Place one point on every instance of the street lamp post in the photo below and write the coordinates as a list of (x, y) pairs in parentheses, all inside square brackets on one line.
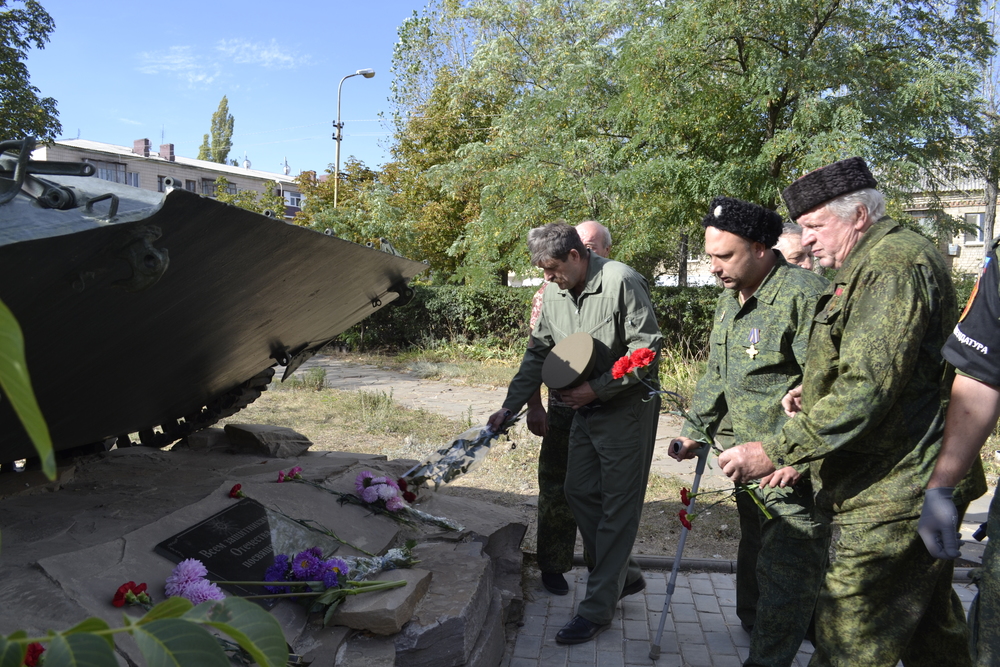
[(339, 134)]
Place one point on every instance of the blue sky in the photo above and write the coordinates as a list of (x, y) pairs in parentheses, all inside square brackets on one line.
[(122, 71)]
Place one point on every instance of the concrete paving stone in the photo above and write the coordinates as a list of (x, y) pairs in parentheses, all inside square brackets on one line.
[(702, 586), (634, 609), (637, 653), (722, 581), (713, 623), (742, 653), (719, 643), (727, 598), (638, 630), (656, 584), (611, 658), (739, 636), (802, 659), (706, 604), (654, 623), (536, 607), (665, 660), (696, 655), (585, 653), (729, 613), (553, 655), (561, 601), (532, 625), (523, 662), (682, 594), (690, 633), (611, 639), (683, 613), (668, 643), (527, 646)]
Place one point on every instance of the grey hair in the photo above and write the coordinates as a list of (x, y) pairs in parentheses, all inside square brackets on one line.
[(605, 232), (845, 206), (791, 228), (554, 241)]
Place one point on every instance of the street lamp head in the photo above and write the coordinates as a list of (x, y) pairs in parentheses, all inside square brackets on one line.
[(367, 73)]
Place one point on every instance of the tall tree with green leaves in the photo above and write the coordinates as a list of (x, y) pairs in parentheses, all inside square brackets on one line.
[(251, 200), (217, 149), (23, 112)]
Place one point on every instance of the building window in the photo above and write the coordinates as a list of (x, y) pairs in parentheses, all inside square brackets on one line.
[(160, 185), (293, 199), (975, 219), (108, 171), (231, 189), (191, 186), (132, 178), (208, 187)]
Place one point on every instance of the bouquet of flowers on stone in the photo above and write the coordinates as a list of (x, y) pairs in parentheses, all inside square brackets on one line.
[(465, 453), (643, 357)]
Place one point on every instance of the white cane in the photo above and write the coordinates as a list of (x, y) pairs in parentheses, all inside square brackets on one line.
[(702, 452)]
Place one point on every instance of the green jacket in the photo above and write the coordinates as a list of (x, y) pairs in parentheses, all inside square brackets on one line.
[(751, 387), (615, 308), (875, 388)]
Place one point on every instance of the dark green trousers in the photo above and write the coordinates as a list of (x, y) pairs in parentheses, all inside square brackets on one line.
[(556, 525), (885, 599), (984, 615), (610, 451)]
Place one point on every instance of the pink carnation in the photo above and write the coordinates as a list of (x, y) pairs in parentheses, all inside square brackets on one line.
[(394, 504)]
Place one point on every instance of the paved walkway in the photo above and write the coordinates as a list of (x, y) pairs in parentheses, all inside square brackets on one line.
[(702, 629)]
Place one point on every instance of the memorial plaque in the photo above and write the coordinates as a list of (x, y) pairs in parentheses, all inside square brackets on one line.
[(234, 545)]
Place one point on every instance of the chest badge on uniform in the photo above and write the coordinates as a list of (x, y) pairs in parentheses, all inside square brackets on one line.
[(752, 351)]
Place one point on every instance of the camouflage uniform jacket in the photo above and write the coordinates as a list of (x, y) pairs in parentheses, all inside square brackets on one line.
[(615, 308), (749, 380), (875, 386)]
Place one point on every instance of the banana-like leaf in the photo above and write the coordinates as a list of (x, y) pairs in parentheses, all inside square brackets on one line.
[(16, 385), (12, 652), (93, 625), (255, 630), (79, 650), (172, 642)]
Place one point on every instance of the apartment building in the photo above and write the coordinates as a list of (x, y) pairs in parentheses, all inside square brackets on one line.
[(140, 167)]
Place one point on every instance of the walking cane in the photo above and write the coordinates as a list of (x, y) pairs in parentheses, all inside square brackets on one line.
[(702, 452)]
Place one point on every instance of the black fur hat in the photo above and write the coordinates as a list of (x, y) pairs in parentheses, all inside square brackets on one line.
[(752, 222), (820, 186)]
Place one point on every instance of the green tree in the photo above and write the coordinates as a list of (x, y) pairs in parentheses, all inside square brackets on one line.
[(217, 149), (22, 111), (251, 200)]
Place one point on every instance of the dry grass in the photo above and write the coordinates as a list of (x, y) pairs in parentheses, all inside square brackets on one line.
[(372, 423)]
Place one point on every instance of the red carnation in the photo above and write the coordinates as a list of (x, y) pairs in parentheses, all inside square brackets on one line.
[(685, 498), (409, 496), (642, 357), (685, 521), (121, 595), (237, 491), (621, 367), (401, 483), (35, 651)]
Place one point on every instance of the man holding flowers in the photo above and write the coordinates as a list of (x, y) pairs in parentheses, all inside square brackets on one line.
[(756, 352), (614, 428), (870, 417)]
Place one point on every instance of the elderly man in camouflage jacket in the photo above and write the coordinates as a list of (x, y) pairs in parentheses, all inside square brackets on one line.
[(757, 350), (614, 428), (872, 413)]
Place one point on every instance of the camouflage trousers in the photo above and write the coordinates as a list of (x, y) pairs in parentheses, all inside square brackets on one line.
[(556, 525), (984, 616), (780, 568), (885, 599)]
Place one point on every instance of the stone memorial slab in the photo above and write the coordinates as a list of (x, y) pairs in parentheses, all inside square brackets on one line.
[(264, 440)]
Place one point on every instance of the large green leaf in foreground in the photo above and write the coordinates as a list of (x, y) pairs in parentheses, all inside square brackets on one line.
[(16, 387), (249, 625)]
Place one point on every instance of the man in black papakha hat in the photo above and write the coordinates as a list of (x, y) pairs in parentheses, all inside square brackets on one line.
[(869, 418), (757, 351), (614, 429)]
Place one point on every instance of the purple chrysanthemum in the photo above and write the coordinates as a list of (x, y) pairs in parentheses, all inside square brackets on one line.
[(305, 566), (186, 572), (362, 481), (369, 494), (201, 590)]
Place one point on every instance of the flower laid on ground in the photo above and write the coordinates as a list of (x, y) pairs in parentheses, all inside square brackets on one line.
[(33, 657), (293, 474), (132, 593), (408, 496), (237, 491), (188, 581), (631, 362), (685, 499), (685, 518), (308, 568), (382, 490)]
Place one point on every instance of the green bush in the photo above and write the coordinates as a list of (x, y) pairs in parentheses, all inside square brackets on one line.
[(498, 316)]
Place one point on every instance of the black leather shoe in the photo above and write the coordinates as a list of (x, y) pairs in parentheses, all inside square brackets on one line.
[(578, 631), (555, 583), (636, 586)]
